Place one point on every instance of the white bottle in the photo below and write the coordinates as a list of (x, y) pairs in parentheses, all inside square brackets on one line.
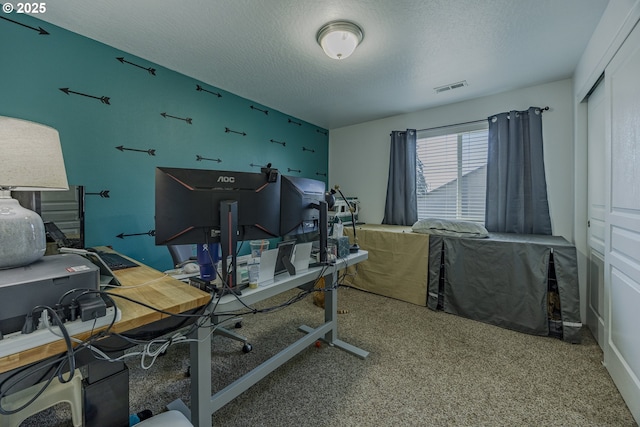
[(253, 265)]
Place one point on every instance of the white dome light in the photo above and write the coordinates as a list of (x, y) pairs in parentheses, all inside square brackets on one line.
[(339, 38)]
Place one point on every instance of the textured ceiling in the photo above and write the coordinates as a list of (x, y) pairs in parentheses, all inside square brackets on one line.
[(266, 50)]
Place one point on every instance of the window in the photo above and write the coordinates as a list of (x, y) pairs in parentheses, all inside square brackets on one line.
[(452, 172)]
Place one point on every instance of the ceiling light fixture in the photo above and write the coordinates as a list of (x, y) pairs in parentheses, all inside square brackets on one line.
[(339, 38)]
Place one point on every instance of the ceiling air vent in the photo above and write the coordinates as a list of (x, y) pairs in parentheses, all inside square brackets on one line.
[(450, 86)]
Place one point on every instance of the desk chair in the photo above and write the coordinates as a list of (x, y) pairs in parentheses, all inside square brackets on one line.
[(183, 254)]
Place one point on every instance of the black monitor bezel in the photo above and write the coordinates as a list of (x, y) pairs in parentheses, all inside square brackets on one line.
[(187, 204), (300, 197)]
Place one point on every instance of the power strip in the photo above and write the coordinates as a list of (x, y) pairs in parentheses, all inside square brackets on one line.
[(17, 341)]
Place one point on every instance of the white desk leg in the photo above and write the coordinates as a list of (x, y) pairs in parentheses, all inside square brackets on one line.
[(200, 359), (331, 307), (331, 317)]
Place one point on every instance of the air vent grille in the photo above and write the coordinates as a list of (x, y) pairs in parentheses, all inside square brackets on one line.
[(450, 86)]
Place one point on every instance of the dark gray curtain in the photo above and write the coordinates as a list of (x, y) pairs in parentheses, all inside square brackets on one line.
[(401, 207), (516, 184)]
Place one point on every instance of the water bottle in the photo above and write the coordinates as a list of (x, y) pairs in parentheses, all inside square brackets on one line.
[(207, 259)]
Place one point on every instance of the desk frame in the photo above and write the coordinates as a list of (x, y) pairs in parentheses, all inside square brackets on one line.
[(203, 403)]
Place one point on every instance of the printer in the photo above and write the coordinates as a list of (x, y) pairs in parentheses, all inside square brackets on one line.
[(42, 283)]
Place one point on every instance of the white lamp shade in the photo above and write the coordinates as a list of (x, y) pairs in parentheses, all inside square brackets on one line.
[(339, 39), (30, 157)]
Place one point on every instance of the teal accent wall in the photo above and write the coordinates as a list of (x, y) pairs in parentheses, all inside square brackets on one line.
[(33, 69)]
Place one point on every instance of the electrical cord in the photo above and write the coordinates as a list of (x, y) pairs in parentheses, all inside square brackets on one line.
[(69, 358), (148, 282), (168, 313), (298, 297), (89, 343)]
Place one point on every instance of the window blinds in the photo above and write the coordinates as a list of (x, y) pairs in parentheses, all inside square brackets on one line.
[(451, 172)]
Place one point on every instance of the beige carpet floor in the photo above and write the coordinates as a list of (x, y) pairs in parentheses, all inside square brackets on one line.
[(425, 368)]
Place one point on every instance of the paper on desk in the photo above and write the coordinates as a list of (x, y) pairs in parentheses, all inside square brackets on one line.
[(301, 256), (267, 266)]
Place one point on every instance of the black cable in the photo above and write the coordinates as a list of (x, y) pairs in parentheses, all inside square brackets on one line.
[(158, 310), (70, 353), (294, 299), (67, 359), (70, 359)]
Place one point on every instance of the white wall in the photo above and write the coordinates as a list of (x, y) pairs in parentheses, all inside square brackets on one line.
[(359, 154)]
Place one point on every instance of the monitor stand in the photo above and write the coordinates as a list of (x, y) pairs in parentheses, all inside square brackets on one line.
[(210, 286), (323, 209), (229, 244)]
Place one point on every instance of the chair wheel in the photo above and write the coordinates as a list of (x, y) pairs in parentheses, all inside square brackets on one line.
[(246, 348), (238, 325)]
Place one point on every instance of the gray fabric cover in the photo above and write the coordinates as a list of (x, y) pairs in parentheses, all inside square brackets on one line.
[(444, 227), (503, 281)]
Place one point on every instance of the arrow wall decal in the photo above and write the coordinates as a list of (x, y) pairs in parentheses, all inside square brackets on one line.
[(40, 30), (148, 233), (321, 174), (151, 71), (266, 112), (294, 123), (103, 99), (227, 130), (308, 149), (199, 158), (186, 119), (283, 143), (150, 152), (201, 89), (321, 131), (104, 194), (256, 166), (294, 170)]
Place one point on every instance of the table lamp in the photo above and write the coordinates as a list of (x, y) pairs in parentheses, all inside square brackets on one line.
[(30, 160)]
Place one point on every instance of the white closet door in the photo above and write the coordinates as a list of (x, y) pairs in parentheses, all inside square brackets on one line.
[(596, 212), (622, 222)]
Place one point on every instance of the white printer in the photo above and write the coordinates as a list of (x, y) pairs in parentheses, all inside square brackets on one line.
[(42, 283)]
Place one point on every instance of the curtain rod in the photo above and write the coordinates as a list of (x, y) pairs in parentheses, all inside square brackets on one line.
[(542, 109), (455, 124)]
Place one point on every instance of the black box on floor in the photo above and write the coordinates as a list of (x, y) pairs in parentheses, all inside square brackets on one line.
[(106, 402)]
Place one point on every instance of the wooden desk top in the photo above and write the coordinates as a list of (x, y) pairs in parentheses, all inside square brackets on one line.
[(147, 285)]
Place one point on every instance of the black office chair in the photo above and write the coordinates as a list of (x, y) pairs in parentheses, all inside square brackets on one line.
[(184, 254)]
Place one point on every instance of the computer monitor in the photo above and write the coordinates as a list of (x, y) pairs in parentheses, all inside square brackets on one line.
[(303, 211), (205, 206), (300, 198), (187, 204)]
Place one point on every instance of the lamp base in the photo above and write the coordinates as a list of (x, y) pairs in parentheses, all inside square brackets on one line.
[(354, 248), (22, 235)]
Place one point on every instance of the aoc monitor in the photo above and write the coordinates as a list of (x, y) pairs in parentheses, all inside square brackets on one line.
[(188, 201)]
